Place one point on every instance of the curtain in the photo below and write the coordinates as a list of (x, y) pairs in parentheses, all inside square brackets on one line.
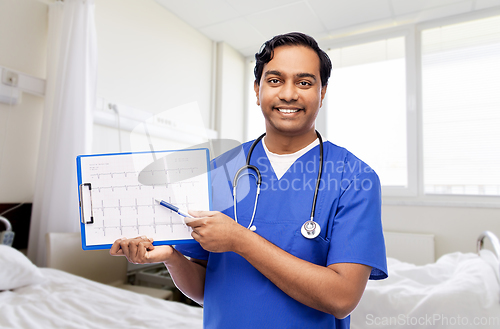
[(67, 120)]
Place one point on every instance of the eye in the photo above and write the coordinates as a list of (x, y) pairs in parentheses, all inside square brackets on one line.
[(273, 81), (304, 84)]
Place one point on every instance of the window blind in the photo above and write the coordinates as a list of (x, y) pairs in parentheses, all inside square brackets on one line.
[(461, 108)]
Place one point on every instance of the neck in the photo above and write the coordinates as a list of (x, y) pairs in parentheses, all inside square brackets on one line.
[(280, 144)]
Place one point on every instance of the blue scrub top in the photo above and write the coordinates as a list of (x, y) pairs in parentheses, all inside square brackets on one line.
[(348, 210)]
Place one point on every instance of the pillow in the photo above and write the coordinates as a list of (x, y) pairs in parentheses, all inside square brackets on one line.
[(16, 270)]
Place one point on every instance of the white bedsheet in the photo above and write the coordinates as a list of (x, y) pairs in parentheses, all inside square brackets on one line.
[(458, 291), (68, 301)]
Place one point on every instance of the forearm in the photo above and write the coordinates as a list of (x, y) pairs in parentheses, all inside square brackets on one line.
[(335, 289), (318, 287), (188, 276)]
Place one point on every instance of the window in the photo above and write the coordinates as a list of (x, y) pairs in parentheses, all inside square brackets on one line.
[(421, 106), (366, 107), (461, 108)]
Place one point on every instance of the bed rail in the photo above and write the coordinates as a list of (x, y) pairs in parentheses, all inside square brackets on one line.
[(7, 236), (494, 241)]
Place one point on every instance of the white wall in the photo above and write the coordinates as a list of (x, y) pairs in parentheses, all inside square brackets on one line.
[(455, 228), (149, 60), (23, 30)]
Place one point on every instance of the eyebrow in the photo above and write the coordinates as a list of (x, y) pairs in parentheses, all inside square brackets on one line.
[(272, 72), (298, 75), (306, 75)]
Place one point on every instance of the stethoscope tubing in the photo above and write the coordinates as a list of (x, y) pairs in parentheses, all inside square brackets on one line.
[(259, 179), (320, 172)]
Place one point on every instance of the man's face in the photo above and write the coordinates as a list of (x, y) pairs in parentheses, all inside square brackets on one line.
[(290, 92)]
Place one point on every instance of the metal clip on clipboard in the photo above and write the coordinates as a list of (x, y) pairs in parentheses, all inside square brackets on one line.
[(86, 210)]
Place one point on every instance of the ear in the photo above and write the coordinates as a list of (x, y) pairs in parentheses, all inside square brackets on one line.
[(323, 93), (256, 87)]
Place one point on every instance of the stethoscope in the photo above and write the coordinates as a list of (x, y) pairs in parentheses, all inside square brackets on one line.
[(310, 229)]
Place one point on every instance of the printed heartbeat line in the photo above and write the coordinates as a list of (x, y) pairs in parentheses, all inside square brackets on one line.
[(137, 226), (112, 174), (136, 173), (141, 186), (136, 206)]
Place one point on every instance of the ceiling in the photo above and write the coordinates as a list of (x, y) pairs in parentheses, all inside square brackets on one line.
[(246, 24)]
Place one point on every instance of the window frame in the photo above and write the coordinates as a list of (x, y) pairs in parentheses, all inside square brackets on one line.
[(423, 198), (408, 32)]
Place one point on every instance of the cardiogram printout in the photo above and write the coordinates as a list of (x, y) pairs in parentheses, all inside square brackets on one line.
[(117, 195)]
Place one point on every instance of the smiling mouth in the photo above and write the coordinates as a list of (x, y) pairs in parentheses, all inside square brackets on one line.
[(287, 110)]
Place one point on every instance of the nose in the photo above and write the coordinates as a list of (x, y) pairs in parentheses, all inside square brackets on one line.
[(288, 92)]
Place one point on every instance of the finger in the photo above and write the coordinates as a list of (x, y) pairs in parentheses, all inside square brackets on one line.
[(151, 245), (124, 247), (193, 222), (196, 213), (195, 235), (133, 250), (148, 242), (142, 253), (188, 220), (134, 246), (115, 249)]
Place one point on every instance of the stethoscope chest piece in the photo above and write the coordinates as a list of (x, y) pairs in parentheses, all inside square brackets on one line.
[(310, 229)]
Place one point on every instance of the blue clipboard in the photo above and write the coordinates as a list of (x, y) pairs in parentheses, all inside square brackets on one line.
[(117, 195)]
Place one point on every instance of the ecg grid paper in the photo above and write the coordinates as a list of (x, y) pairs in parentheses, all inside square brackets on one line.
[(124, 188)]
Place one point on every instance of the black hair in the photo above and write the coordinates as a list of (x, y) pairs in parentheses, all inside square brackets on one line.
[(266, 53)]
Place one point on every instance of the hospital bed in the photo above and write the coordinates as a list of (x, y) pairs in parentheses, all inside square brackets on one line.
[(33, 297), (459, 290)]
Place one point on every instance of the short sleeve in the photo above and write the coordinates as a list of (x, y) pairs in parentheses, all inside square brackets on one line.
[(357, 235), (193, 250)]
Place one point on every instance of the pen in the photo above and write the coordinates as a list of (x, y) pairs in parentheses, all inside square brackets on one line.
[(173, 208)]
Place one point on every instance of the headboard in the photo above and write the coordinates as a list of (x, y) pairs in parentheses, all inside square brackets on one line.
[(64, 252), (412, 248)]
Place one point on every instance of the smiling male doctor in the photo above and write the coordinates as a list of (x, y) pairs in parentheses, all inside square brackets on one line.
[(273, 276)]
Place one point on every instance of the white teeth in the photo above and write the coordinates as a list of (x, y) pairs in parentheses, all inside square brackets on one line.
[(287, 111)]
